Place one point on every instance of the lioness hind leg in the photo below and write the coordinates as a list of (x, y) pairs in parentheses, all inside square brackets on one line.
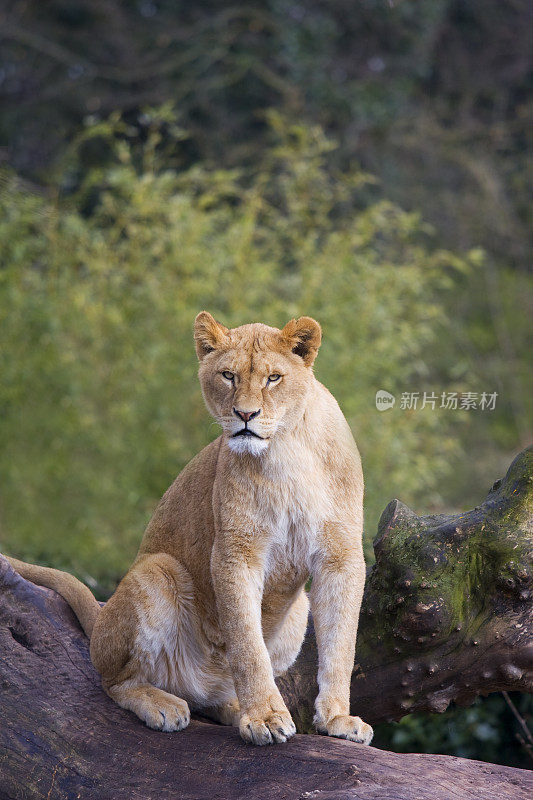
[(285, 646), (158, 709), (228, 713), (140, 646)]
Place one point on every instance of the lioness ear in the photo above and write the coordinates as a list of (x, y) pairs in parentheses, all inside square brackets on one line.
[(208, 334), (303, 336)]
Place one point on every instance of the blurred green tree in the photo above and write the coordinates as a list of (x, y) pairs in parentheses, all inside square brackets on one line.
[(100, 402)]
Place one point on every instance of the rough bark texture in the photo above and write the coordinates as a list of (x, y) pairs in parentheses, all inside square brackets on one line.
[(447, 616), (447, 612), (62, 738)]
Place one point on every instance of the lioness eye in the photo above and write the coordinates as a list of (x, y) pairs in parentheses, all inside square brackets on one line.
[(274, 378), (228, 375)]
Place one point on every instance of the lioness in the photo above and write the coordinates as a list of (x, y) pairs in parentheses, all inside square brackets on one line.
[(214, 606)]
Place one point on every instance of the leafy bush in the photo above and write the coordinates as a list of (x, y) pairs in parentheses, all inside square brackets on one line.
[(100, 402)]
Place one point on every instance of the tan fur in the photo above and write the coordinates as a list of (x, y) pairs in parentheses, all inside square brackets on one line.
[(214, 606), (78, 596)]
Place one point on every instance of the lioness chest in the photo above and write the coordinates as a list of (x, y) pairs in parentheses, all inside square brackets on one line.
[(291, 506)]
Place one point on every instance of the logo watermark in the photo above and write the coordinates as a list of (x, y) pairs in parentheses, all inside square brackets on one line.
[(384, 400), (450, 401)]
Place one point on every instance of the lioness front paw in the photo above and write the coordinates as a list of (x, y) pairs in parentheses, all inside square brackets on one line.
[(352, 728), (276, 726)]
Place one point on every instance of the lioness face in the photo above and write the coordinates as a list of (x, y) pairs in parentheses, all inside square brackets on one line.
[(254, 378)]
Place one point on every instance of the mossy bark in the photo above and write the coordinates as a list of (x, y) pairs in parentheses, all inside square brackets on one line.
[(447, 612)]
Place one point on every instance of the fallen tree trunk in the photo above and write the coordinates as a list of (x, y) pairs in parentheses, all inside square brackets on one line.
[(447, 612), (447, 615), (62, 738)]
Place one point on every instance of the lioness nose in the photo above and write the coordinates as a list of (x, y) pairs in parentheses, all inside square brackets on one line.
[(246, 416)]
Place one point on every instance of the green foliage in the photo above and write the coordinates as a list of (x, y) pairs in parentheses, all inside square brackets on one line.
[(100, 402), (487, 731)]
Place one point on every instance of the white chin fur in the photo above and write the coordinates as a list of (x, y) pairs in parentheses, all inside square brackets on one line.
[(247, 444)]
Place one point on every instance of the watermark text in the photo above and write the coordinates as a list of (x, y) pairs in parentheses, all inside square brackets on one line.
[(450, 401)]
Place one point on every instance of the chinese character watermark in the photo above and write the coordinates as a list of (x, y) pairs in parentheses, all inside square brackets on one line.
[(409, 400), (449, 401)]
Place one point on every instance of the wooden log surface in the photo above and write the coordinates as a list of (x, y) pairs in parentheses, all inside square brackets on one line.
[(62, 738)]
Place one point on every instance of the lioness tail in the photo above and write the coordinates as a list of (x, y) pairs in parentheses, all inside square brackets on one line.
[(78, 596)]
